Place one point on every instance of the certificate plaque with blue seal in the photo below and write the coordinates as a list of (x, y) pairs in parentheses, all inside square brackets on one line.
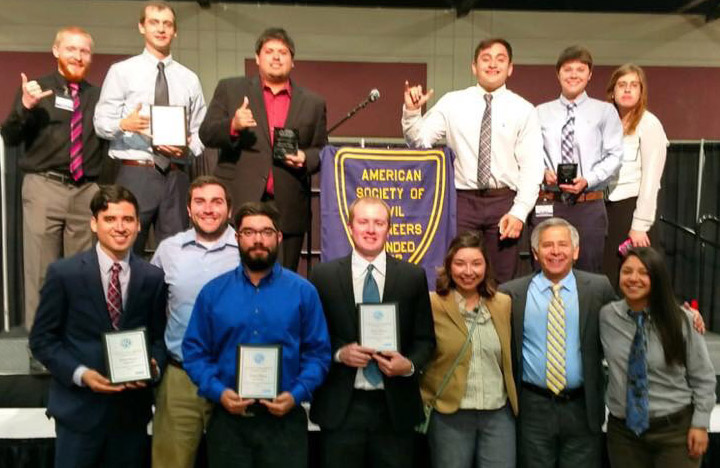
[(379, 326), (258, 370), (126, 356)]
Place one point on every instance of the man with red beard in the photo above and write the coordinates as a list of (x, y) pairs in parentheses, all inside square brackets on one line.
[(52, 117)]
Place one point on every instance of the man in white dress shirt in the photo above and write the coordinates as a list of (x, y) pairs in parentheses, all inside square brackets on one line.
[(497, 141)]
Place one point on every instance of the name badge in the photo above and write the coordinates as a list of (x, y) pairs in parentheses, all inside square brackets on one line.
[(544, 210), (64, 103)]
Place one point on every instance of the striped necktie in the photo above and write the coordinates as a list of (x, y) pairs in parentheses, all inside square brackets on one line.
[(76, 131), (555, 378), (485, 151), (568, 135)]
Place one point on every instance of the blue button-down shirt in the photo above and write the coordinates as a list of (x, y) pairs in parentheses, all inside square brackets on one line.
[(283, 309), (598, 146), (534, 347), (188, 266)]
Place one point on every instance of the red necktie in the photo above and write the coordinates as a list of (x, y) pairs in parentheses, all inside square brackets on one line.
[(114, 296), (76, 144)]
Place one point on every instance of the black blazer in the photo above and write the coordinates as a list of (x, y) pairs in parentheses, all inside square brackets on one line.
[(404, 283), (245, 161), (67, 333), (594, 291)]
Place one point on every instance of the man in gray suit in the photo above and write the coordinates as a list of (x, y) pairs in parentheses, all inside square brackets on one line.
[(557, 353)]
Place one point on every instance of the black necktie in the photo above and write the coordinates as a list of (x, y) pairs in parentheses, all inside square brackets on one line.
[(162, 97)]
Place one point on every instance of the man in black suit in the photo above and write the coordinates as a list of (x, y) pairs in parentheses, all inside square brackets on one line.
[(370, 401), (100, 290), (240, 122), (557, 353)]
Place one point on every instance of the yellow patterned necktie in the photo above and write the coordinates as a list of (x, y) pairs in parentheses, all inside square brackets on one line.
[(555, 368)]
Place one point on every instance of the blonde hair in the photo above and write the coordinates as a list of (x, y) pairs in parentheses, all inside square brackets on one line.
[(71, 30)]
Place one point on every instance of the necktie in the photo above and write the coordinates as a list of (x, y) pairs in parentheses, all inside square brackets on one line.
[(637, 416), (555, 366), (114, 296), (371, 294), (76, 130), (568, 135), (484, 154), (162, 98)]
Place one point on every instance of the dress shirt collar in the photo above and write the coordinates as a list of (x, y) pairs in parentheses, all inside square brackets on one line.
[(359, 264), (273, 274), (189, 237), (61, 83), (622, 309), (578, 100), (149, 56), (106, 262), (495, 93), (287, 87), (568, 283)]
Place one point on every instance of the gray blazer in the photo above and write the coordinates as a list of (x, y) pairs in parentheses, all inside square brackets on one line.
[(594, 291)]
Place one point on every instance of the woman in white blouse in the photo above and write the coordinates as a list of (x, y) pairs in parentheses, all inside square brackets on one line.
[(632, 196)]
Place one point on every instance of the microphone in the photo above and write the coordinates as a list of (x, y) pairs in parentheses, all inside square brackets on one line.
[(373, 96)]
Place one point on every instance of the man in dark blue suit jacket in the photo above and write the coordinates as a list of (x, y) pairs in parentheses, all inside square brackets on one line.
[(98, 423)]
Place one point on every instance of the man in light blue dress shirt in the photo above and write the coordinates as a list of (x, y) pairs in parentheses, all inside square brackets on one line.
[(586, 132), (155, 174), (189, 260)]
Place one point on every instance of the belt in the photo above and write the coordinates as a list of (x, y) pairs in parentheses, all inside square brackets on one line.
[(565, 395), (660, 422), (146, 163), (489, 192), (583, 197), (174, 363), (66, 179)]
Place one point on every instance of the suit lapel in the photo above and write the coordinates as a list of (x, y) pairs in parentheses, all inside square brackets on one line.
[(451, 308), (584, 296), (391, 276), (93, 284), (519, 302), (344, 274), (258, 102), (134, 288), (296, 101)]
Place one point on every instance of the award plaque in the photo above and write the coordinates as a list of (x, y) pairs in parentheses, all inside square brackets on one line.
[(379, 326), (285, 141), (126, 356), (566, 173), (168, 126), (258, 370)]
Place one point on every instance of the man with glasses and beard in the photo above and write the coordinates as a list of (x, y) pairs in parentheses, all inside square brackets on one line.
[(260, 303), (189, 260)]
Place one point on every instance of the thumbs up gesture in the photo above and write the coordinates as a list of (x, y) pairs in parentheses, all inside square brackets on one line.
[(243, 117), (32, 93)]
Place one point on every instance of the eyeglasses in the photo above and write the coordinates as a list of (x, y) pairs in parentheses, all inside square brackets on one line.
[(266, 233)]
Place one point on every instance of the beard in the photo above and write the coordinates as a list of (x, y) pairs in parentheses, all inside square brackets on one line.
[(75, 74), (211, 235), (260, 262)]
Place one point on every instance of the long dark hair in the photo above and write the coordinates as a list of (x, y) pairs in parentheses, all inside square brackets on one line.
[(471, 240), (666, 315)]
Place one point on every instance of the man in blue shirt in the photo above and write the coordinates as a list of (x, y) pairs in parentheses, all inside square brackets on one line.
[(557, 353), (259, 302), (585, 132), (189, 260)]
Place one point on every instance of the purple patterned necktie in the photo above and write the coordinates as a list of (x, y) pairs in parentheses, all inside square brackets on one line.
[(114, 296), (76, 130), (485, 149)]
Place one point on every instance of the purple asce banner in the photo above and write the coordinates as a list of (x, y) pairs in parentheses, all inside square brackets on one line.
[(417, 184)]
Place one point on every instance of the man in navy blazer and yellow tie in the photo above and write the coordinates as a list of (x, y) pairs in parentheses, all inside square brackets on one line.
[(100, 290), (370, 402), (558, 372)]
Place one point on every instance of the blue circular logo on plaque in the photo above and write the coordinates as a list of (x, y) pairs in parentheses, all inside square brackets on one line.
[(378, 314), (125, 343), (259, 358)]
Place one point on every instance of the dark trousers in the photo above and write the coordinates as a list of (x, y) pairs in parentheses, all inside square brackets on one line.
[(290, 249), (162, 199), (481, 211), (554, 433), (367, 437), (663, 445), (107, 447), (591, 221), (258, 441)]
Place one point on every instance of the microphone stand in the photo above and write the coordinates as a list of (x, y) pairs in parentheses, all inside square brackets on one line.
[(349, 115)]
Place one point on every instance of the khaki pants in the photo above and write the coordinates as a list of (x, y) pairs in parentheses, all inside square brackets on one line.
[(56, 223), (180, 419)]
